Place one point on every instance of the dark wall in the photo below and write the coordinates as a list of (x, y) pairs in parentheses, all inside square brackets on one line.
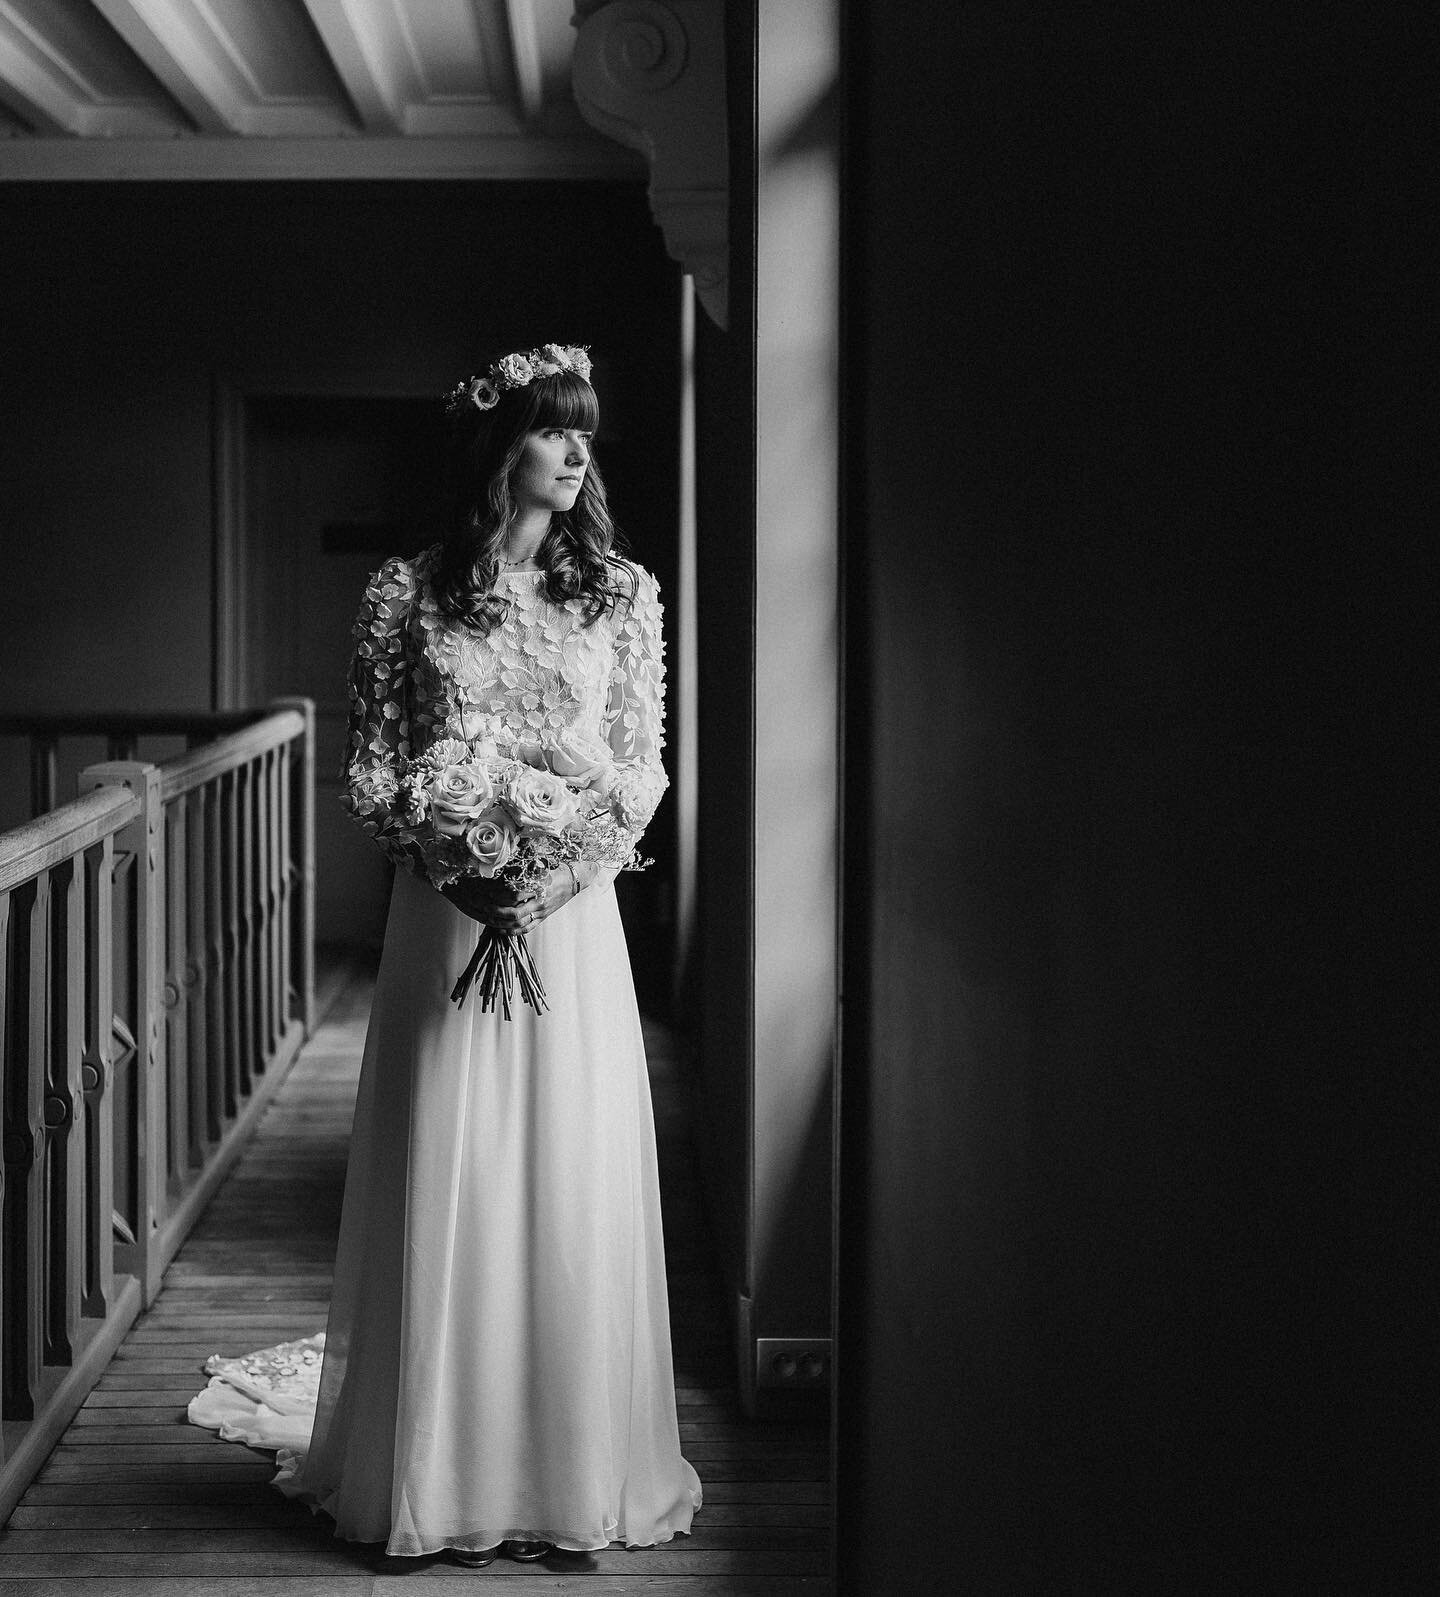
[(1118, 324), (121, 302)]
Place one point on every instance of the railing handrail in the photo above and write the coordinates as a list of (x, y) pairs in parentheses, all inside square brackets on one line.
[(37, 845), (198, 766), (122, 730), (120, 723)]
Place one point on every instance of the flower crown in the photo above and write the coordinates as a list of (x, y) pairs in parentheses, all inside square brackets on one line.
[(515, 371)]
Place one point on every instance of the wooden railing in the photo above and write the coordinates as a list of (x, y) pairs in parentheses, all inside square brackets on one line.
[(122, 734), (156, 980)]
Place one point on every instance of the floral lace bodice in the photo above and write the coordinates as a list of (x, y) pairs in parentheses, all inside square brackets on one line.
[(417, 676)]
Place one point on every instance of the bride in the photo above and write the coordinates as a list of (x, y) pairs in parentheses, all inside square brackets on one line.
[(496, 1370)]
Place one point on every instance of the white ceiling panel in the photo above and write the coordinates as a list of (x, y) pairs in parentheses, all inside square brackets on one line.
[(74, 39), (342, 88), (464, 80), (64, 71), (11, 126), (276, 52), (236, 66), (445, 44)]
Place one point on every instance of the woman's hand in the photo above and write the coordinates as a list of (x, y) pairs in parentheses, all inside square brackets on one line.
[(490, 903), (496, 905), (555, 890)]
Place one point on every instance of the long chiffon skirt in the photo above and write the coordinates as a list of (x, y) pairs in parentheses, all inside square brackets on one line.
[(497, 1362)]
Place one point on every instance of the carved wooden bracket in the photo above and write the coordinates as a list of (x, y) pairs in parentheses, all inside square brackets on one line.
[(651, 75)]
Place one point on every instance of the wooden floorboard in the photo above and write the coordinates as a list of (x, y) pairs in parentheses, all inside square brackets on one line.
[(134, 1499)]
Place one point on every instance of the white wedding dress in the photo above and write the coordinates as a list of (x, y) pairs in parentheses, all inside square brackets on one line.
[(497, 1362)]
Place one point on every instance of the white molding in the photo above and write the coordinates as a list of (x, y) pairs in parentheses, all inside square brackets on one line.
[(651, 75), (469, 117), (200, 159)]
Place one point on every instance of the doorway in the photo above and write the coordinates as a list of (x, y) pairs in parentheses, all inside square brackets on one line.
[(332, 486)]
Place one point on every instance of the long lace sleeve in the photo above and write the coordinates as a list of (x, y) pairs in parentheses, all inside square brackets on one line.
[(380, 706), (635, 714)]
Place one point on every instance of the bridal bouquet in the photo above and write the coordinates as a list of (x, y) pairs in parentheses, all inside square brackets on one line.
[(475, 812)]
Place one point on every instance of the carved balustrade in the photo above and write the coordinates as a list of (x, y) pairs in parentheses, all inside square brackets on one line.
[(156, 981)]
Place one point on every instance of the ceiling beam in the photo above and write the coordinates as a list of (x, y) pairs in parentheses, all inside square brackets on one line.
[(35, 112), (525, 53), (163, 34), (359, 56), (382, 159), (34, 95)]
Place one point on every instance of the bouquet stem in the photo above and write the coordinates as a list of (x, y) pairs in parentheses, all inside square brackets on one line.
[(501, 964)]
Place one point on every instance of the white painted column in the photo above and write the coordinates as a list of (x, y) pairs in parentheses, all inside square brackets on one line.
[(796, 664), (685, 666)]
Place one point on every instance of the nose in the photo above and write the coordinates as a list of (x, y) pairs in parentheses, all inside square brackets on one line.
[(579, 451)]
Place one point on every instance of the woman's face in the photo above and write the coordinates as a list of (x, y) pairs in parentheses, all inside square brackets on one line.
[(552, 466)]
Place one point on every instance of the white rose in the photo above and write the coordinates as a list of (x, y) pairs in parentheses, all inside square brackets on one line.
[(540, 800), (457, 795), (516, 369), (492, 840), (633, 798), (580, 758), (484, 395)]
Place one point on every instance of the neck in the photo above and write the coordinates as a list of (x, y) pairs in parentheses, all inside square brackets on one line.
[(527, 533)]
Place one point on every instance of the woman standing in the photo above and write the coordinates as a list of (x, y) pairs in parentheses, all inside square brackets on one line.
[(497, 1370)]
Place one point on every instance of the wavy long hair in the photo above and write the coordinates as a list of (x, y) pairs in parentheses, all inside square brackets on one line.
[(579, 552)]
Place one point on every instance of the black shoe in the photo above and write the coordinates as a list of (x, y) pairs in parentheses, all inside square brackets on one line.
[(470, 1558), (528, 1552)]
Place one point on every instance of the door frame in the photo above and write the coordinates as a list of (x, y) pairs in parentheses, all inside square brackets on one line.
[(232, 536)]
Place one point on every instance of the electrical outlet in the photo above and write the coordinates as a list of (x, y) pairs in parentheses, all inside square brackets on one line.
[(795, 1363)]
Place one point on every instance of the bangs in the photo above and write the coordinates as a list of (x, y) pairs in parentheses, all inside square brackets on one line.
[(565, 400)]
